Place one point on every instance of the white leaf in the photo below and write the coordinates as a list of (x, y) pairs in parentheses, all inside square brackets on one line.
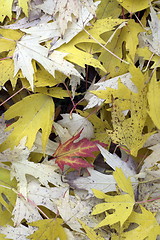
[(114, 161), (26, 23), (111, 83), (50, 148), (43, 172), (63, 133), (66, 11), (154, 39), (28, 48), (71, 209), (22, 170), (3, 134), (153, 140), (44, 196), (77, 123), (151, 164), (17, 233), (96, 180), (24, 209)]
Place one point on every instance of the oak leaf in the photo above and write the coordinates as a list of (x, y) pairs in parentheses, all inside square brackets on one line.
[(70, 153)]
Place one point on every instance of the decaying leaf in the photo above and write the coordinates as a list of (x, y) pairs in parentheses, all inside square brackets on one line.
[(128, 131)]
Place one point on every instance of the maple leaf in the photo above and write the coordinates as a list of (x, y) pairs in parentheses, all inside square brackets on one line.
[(129, 35), (37, 107), (71, 208), (148, 227), (129, 132), (28, 48), (14, 233), (153, 100), (66, 11), (6, 8), (122, 204), (49, 229), (134, 6), (91, 234), (70, 153)]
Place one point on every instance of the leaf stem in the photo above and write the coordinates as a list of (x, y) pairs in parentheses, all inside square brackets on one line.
[(12, 96)]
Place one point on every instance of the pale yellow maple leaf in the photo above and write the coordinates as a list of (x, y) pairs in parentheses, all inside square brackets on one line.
[(122, 204), (8, 41), (135, 5), (153, 100), (48, 229), (128, 132), (6, 8), (91, 234), (148, 227), (35, 112), (125, 40)]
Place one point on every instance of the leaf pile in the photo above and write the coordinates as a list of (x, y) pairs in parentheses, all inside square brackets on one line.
[(79, 125)]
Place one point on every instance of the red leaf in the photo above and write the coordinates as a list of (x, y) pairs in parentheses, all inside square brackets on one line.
[(70, 153)]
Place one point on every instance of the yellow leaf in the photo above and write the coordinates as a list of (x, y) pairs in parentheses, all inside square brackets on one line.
[(24, 5), (8, 44), (80, 57), (138, 78), (148, 227), (124, 41), (122, 182), (8, 40), (153, 100), (35, 112), (5, 9), (42, 78), (50, 229), (128, 131), (91, 234), (7, 72), (122, 93), (121, 204), (56, 92), (6, 191), (108, 8), (135, 5)]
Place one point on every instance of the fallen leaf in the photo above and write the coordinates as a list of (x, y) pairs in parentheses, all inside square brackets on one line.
[(28, 48), (148, 226), (77, 123), (48, 229), (37, 107), (71, 153), (122, 204)]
